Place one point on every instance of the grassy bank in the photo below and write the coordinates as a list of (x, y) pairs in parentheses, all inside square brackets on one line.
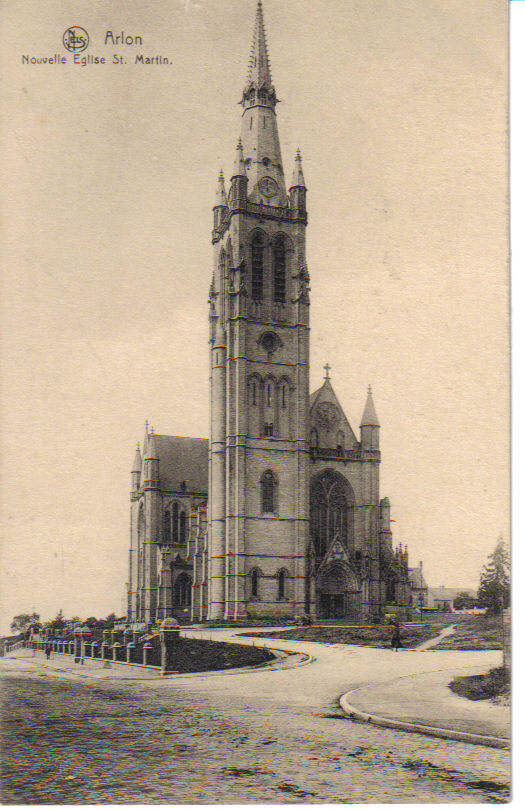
[(493, 684), (374, 636), (475, 633)]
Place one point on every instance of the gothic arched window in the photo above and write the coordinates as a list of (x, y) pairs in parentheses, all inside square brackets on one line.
[(331, 512), (268, 492), (182, 591), (182, 527), (257, 267), (279, 271)]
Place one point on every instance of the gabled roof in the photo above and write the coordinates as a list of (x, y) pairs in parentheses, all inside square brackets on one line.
[(327, 394), (415, 575), (182, 459)]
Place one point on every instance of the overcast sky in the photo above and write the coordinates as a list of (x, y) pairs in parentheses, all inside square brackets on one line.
[(399, 108)]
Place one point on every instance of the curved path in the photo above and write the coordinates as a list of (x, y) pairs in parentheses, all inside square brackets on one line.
[(280, 734)]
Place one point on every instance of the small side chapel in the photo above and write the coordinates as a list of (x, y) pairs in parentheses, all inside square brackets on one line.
[(278, 514)]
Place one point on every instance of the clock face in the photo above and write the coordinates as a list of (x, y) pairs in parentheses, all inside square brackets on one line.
[(268, 186), (327, 415)]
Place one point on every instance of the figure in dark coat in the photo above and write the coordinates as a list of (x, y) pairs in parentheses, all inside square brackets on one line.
[(48, 651), (396, 638)]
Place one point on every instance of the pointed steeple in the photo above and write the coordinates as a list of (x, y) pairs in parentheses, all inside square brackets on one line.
[(259, 64), (369, 418)]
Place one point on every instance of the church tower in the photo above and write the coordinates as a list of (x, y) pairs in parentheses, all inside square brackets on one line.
[(259, 358)]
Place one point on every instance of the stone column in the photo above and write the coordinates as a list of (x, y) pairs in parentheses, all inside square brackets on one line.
[(116, 648), (94, 646), (169, 637), (129, 652)]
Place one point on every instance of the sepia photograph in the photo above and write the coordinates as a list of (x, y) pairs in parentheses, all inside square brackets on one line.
[(255, 402)]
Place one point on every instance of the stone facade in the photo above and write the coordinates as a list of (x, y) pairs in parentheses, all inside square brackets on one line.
[(283, 515)]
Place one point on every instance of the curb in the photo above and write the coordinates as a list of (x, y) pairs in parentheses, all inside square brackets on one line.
[(281, 662), (417, 728)]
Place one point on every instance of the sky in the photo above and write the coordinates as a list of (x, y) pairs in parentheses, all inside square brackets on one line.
[(400, 110)]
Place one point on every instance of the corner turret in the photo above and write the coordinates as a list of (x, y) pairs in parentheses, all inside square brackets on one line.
[(369, 425)]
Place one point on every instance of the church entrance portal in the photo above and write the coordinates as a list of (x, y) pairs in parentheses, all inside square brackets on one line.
[(332, 606), (338, 593)]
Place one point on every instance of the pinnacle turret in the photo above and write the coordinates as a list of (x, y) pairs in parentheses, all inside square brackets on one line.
[(239, 169), (369, 414), (137, 461), (298, 176), (220, 196)]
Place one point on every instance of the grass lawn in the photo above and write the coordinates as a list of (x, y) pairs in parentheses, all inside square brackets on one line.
[(493, 684), (475, 633), (376, 636)]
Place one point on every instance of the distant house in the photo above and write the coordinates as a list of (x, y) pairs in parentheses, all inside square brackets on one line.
[(418, 587), (442, 598)]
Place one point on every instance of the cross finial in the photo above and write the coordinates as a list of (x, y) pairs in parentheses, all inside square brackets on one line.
[(369, 389), (327, 370)]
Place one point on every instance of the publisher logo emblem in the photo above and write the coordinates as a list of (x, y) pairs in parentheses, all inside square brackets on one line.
[(75, 39)]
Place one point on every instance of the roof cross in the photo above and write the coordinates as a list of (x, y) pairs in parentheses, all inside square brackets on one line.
[(327, 369)]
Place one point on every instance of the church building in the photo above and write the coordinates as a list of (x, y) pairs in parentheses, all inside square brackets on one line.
[(279, 513)]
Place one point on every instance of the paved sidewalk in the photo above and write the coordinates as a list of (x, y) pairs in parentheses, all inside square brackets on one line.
[(426, 700)]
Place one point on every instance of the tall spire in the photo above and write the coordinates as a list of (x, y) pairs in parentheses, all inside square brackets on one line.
[(259, 64), (262, 151)]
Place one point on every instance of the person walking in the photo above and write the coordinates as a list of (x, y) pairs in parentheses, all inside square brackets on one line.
[(48, 651), (396, 638)]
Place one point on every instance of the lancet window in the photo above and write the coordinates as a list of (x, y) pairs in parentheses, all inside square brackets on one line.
[(279, 271), (268, 492), (257, 268)]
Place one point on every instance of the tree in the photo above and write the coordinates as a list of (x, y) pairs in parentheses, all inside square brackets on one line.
[(58, 622), (464, 600), (23, 621), (494, 581)]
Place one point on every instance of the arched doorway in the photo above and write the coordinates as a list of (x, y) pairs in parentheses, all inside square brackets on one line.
[(338, 592)]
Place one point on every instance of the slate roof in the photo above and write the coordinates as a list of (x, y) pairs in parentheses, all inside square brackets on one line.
[(182, 459)]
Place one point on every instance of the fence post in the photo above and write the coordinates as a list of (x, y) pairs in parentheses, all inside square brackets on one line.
[(129, 652), (77, 643), (169, 638), (145, 653)]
